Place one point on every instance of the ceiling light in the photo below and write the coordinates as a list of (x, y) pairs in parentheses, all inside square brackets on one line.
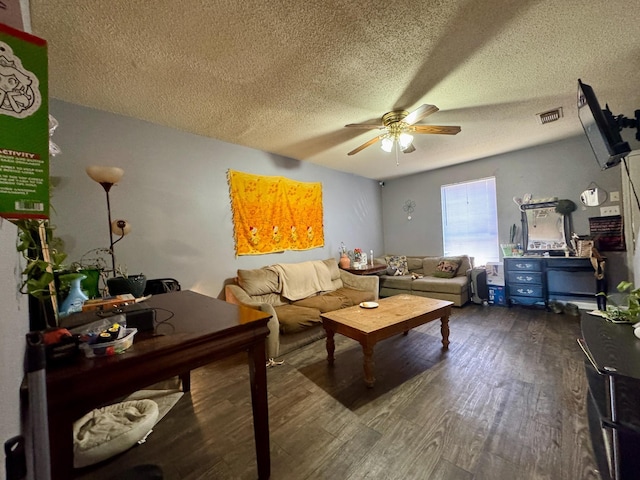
[(387, 144), (405, 140)]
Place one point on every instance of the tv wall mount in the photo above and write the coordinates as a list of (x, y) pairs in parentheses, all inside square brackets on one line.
[(624, 122)]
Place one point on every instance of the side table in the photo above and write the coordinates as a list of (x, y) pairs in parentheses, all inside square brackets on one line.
[(368, 270)]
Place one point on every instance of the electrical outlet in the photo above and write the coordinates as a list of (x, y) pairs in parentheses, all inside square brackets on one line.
[(615, 196), (609, 211)]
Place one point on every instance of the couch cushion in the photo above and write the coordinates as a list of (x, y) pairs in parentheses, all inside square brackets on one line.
[(354, 296), (455, 285), (429, 264), (332, 265), (414, 264), (270, 298), (398, 261), (402, 282), (259, 281), (447, 267), (465, 265), (293, 318), (326, 302), (336, 279)]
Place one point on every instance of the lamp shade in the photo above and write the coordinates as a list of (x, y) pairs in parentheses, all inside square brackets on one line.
[(387, 144), (405, 140), (105, 174), (120, 227)]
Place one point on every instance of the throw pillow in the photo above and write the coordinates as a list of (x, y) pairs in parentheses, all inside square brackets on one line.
[(447, 267), (399, 262)]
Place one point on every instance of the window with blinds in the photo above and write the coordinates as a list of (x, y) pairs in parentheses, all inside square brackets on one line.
[(470, 220)]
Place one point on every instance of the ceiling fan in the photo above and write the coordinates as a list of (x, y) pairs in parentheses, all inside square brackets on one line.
[(398, 126)]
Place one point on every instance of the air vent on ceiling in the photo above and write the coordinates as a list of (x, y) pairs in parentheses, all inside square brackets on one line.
[(550, 116)]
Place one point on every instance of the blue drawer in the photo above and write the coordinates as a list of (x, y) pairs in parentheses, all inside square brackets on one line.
[(523, 264), (523, 290), (525, 277), (526, 301)]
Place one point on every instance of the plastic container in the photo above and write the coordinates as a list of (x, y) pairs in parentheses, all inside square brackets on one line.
[(508, 249), (110, 348)]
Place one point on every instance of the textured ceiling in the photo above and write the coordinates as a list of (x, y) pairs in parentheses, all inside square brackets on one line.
[(286, 76)]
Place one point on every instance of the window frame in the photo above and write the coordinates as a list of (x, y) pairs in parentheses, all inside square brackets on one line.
[(455, 200)]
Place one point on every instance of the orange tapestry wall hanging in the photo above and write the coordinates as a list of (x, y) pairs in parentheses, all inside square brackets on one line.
[(273, 214)]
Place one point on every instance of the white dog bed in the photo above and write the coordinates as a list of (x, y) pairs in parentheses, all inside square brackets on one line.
[(105, 432)]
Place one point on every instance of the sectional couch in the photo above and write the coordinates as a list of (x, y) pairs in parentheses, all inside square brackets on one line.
[(295, 294), (420, 278)]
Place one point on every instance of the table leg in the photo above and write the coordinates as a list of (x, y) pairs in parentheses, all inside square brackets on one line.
[(185, 379), (369, 379), (601, 300), (331, 345), (61, 444), (444, 329), (260, 405)]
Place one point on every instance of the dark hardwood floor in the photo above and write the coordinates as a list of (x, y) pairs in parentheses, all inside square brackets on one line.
[(506, 402)]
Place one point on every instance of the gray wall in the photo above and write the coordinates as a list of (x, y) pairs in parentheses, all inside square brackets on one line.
[(175, 194), (563, 169)]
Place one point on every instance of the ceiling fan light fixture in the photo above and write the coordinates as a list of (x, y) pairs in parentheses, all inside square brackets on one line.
[(405, 140), (387, 144)]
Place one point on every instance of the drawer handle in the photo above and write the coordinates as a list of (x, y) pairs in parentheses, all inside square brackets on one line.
[(523, 278), (524, 265), (525, 290)]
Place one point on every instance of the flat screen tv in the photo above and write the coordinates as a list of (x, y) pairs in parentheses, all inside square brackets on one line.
[(601, 129)]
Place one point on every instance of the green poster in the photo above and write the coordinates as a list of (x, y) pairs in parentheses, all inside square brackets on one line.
[(24, 125)]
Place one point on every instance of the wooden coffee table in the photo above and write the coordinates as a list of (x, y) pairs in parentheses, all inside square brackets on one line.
[(394, 315)]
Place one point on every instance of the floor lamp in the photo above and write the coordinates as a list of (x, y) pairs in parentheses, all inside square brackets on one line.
[(108, 177)]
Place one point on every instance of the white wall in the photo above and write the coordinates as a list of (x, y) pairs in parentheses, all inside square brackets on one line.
[(631, 208), (14, 324), (563, 169), (175, 194)]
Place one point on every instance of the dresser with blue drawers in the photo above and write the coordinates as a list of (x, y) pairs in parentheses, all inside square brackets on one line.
[(535, 280), (525, 280)]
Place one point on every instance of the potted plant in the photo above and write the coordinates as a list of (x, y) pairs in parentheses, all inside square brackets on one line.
[(619, 313), (565, 207), (123, 283), (44, 257), (93, 265)]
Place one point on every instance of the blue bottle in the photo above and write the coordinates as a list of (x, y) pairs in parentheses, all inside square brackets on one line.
[(76, 298)]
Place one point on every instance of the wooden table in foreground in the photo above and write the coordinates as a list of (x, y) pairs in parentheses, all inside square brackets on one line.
[(394, 315), (201, 330)]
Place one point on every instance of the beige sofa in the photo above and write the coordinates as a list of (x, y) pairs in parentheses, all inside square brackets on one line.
[(421, 281), (295, 294)]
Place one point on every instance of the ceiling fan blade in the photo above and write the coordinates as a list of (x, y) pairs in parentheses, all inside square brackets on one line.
[(366, 126), (365, 145), (419, 113), (435, 129)]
